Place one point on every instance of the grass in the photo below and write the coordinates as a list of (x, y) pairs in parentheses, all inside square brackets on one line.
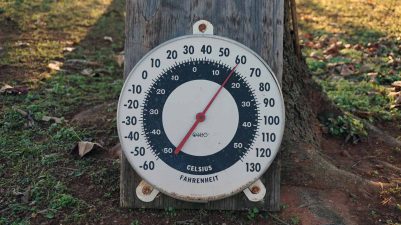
[(38, 171), (367, 43), (364, 37)]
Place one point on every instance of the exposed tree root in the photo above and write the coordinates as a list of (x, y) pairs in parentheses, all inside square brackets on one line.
[(317, 172), (377, 133), (389, 165), (303, 162)]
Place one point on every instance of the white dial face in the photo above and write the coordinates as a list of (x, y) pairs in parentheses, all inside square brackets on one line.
[(200, 117)]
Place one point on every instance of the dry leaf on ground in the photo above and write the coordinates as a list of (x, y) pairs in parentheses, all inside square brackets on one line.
[(396, 85), (332, 50), (22, 44), (87, 72), (55, 119), (55, 65), (84, 147), (7, 89), (107, 38), (68, 49), (119, 59)]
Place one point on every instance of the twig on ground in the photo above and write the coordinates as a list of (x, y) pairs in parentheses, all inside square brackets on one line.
[(367, 157), (376, 132), (278, 219)]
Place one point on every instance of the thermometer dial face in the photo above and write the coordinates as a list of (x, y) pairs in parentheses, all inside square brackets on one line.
[(200, 117)]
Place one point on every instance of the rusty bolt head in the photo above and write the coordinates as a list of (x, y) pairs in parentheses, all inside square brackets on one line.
[(202, 27), (146, 190), (255, 189)]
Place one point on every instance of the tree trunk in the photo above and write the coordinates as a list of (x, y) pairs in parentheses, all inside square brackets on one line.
[(303, 163)]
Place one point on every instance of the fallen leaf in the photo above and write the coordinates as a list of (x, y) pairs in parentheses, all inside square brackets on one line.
[(68, 49), (55, 65), (331, 50), (347, 70), (328, 57), (7, 89), (84, 147), (309, 44), (100, 73), (394, 94), (49, 118), (344, 69), (87, 72), (398, 100), (69, 42), (22, 44), (357, 47), (314, 55), (396, 85), (318, 45), (347, 45), (119, 59), (372, 77), (107, 38)]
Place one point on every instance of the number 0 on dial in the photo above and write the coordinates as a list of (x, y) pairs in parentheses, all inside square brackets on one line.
[(201, 117)]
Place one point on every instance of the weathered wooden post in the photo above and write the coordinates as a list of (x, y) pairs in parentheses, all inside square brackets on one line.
[(258, 24)]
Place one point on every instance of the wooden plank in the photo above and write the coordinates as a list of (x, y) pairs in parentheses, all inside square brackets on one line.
[(257, 24)]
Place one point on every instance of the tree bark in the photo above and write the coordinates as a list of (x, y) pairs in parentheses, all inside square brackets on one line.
[(303, 163)]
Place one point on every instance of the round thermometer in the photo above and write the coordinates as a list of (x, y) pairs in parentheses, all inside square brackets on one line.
[(200, 117)]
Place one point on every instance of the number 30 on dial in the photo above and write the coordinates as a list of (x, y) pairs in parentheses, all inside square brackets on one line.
[(201, 117)]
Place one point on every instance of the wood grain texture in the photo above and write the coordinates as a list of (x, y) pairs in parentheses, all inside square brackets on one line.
[(258, 24)]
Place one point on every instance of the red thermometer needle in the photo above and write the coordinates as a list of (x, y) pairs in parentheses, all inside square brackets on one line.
[(200, 117)]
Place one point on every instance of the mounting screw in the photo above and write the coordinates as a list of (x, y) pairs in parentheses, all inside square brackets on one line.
[(255, 189), (202, 27), (146, 189), (146, 192)]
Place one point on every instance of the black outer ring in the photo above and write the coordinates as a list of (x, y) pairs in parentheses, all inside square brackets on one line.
[(190, 164)]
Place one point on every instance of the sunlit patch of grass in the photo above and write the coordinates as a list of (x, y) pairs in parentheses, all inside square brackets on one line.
[(366, 36), (34, 14), (360, 20), (351, 53)]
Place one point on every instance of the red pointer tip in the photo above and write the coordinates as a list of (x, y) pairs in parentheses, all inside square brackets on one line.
[(200, 117)]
